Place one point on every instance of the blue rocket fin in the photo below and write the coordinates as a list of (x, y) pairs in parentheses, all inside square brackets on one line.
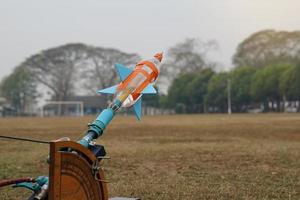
[(149, 90), (109, 90), (123, 71), (138, 108)]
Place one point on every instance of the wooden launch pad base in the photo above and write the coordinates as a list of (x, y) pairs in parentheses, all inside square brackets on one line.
[(72, 174), (75, 174)]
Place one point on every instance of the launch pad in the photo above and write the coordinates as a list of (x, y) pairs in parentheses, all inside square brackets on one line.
[(75, 173)]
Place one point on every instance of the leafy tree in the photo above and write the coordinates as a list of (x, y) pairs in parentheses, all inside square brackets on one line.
[(163, 101), (65, 68), (265, 85), (187, 92), (179, 94), (57, 68), (290, 83), (268, 47), (189, 56), (19, 89), (98, 71), (197, 89), (240, 81), (152, 100), (216, 97)]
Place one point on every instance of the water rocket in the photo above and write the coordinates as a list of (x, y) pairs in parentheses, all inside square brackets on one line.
[(135, 83), (128, 93)]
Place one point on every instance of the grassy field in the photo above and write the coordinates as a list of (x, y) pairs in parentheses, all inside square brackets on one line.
[(173, 157)]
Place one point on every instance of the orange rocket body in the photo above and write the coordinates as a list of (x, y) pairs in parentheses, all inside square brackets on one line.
[(147, 69), (134, 83)]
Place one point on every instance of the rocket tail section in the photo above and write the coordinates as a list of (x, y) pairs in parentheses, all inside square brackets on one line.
[(138, 108), (123, 71), (149, 90), (109, 90)]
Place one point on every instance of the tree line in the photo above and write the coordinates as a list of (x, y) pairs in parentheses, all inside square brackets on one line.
[(266, 74), (268, 88)]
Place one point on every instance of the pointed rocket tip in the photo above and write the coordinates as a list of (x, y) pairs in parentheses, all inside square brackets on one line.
[(159, 56)]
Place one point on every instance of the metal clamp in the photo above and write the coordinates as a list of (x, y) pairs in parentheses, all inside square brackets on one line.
[(103, 157), (95, 170)]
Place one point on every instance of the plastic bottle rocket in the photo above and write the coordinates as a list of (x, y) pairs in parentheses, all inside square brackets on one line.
[(135, 83)]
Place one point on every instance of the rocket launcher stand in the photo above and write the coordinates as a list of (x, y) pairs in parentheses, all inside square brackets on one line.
[(76, 175)]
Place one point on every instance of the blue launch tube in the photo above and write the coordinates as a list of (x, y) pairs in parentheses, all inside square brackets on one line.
[(97, 127), (102, 121)]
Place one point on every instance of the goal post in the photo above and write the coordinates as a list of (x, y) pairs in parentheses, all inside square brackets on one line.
[(79, 106)]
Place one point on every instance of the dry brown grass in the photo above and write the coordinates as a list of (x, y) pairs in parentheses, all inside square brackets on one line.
[(174, 157)]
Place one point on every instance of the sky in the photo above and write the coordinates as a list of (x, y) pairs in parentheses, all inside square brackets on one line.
[(136, 26)]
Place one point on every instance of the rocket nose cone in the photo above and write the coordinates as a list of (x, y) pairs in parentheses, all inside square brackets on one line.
[(159, 56)]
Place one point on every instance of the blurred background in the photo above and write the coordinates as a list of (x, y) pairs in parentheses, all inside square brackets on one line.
[(228, 56), (220, 57)]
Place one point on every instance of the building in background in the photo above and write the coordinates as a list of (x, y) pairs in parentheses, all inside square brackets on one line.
[(6, 109), (74, 106)]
